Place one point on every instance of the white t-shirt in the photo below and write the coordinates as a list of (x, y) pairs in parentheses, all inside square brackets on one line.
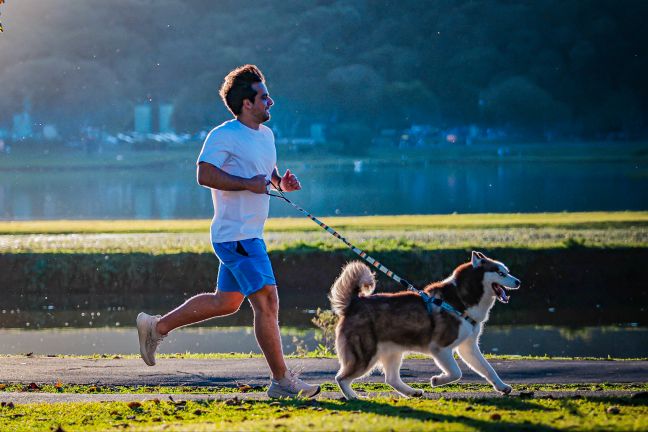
[(243, 152)]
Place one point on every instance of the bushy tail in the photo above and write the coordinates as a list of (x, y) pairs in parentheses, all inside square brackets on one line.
[(355, 279)]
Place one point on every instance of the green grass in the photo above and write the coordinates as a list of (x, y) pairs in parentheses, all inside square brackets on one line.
[(571, 220), (298, 242), (374, 233), (376, 414), (313, 354), (366, 387)]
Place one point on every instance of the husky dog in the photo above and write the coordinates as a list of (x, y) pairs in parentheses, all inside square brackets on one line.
[(379, 328)]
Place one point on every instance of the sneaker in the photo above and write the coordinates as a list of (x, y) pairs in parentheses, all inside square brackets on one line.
[(291, 386), (149, 338)]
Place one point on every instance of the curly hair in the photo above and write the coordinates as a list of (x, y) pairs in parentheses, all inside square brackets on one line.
[(237, 86)]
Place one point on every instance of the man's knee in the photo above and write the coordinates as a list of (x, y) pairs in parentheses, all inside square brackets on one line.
[(226, 303), (266, 300)]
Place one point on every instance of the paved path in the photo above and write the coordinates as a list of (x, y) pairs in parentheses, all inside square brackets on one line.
[(229, 372), (254, 371)]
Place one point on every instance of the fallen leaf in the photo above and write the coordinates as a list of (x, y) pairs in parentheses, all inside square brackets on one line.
[(496, 416), (134, 405), (613, 410)]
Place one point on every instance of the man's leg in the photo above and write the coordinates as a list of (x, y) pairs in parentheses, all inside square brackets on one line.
[(200, 308), (151, 329), (265, 304)]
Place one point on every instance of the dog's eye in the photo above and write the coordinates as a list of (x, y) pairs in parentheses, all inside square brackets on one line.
[(501, 273)]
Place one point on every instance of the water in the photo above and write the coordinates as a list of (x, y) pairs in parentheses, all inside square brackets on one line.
[(624, 342), (344, 189)]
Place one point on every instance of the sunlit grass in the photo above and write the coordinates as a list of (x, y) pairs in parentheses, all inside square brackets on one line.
[(576, 220), (305, 241), (374, 414)]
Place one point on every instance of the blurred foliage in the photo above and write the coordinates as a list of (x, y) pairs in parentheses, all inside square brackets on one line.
[(531, 66)]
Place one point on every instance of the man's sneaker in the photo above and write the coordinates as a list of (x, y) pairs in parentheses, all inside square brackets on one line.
[(149, 338), (291, 386)]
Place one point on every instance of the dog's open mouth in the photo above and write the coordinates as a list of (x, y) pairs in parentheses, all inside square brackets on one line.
[(500, 292)]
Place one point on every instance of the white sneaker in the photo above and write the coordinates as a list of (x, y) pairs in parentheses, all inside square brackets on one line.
[(149, 338), (291, 386)]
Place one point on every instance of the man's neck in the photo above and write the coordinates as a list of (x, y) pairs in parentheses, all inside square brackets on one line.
[(248, 122)]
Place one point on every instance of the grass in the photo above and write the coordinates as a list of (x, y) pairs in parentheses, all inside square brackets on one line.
[(366, 387), (297, 242), (571, 220), (374, 233), (375, 414), (313, 354)]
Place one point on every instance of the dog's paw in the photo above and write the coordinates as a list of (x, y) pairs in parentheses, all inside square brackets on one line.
[(417, 393), (504, 389), (435, 381)]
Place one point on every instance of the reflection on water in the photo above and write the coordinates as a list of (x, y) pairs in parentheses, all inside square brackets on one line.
[(335, 189), (522, 340)]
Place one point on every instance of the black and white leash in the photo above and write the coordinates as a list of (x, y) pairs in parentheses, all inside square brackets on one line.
[(430, 302)]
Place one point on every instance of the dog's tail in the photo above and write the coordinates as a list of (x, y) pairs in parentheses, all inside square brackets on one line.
[(355, 279)]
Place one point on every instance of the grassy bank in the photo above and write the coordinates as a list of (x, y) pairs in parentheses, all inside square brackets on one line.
[(570, 220), (376, 414)]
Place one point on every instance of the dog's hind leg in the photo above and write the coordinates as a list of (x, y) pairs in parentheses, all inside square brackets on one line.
[(446, 361), (352, 363), (391, 364), (347, 374)]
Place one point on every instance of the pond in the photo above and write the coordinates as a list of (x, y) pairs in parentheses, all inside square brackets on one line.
[(614, 341), (342, 189)]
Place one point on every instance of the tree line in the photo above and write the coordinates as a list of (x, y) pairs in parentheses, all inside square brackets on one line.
[(573, 68)]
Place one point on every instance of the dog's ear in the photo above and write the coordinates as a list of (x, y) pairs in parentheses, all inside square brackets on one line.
[(476, 259)]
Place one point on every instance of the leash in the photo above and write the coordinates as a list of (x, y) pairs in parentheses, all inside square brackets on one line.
[(430, 302)]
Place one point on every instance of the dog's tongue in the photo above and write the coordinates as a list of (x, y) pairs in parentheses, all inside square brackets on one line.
[(503, 297)]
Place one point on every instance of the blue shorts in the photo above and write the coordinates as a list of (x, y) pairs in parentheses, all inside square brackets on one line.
[(244, 266)]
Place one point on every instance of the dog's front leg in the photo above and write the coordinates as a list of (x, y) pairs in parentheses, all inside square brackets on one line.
[(446, 361), (471, 355)]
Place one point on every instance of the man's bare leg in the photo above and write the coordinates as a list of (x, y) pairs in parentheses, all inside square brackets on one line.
[(200, 308), (265, 304)]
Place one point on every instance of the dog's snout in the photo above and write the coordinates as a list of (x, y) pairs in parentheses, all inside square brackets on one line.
[(517, 283)]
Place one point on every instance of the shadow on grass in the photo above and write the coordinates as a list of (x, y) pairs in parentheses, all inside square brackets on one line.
[(406, 412), (509, 402)]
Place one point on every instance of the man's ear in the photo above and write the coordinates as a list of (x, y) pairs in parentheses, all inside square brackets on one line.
[(247, 104), (476, 258)]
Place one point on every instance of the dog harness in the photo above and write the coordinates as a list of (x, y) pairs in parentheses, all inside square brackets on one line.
[(430, 302)]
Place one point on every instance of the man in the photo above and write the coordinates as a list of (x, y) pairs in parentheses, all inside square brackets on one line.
[(238, 162)]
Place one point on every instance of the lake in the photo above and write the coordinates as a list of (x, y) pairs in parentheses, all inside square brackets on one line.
[(361, 188), (615, 341)]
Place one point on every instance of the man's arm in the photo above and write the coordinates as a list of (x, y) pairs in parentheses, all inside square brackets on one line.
[(215, 178)]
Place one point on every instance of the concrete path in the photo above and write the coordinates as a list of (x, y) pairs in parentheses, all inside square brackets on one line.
[(255, 372), (229, 372)]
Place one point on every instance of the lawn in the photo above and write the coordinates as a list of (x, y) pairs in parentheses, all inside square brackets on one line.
[(572, 220), (372, 233), (374, 414)]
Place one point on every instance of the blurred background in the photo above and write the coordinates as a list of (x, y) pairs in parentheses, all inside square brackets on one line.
[(381, 108)]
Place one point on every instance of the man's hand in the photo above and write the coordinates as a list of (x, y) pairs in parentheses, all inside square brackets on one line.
[(289, 182), (257, 184)]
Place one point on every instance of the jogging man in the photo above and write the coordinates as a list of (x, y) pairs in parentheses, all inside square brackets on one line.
[(238, 163)]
